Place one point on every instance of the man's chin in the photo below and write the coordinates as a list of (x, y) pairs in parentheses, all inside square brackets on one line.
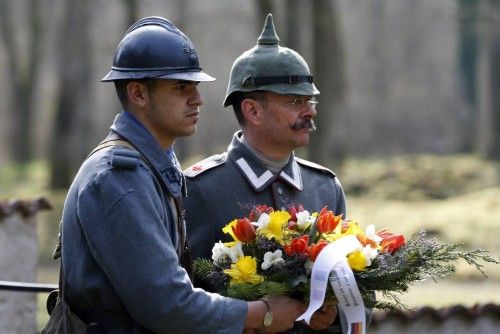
[(189, 132), (302, 141)]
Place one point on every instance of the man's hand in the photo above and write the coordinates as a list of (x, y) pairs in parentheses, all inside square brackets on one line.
[(324, 316), (285, 310)]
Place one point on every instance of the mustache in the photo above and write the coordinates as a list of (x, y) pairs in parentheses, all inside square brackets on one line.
[(306, 124)]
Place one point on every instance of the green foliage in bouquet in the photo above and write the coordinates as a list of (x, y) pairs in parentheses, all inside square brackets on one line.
[(419, 259)]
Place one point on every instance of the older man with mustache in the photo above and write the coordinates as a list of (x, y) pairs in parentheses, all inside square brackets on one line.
[(273, 96)]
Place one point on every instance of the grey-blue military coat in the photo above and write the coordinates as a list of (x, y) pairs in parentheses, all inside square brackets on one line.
[(119, 241)]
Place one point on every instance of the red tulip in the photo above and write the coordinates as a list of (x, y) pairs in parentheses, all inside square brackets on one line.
[(315, 249), (327, 221), (384, 233), (244, 230), (392, 243), (298, 246)]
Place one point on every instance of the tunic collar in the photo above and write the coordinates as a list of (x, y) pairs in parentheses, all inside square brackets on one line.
[(145, 143), (254, 171)]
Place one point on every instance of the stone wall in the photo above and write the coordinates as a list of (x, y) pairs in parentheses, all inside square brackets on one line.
[(456, 319), (18, 262)]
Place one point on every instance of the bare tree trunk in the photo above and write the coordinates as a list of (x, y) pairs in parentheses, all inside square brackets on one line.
[(264, 7), (293, 24), (24, 72), (488, 143), (468, 23), (72, 120), (132, 10), (330, 78)]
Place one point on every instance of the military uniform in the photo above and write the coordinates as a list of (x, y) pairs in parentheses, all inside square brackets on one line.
[(228, 185), (121, 243)]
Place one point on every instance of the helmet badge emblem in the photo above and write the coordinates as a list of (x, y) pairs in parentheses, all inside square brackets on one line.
[(189, 49)]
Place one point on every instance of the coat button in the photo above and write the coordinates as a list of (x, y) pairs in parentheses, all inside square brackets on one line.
[(280, 191)]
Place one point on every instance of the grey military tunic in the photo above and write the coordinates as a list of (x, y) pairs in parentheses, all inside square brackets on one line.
[(227, 186)]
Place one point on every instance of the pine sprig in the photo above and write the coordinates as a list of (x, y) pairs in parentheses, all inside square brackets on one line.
[(421, 258), (203, 268), (250, 292)]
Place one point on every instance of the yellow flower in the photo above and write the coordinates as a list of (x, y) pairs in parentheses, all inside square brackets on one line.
[(228, 229), (244, 271), (357, 260), (230, 244), (334, 236), (353, 229), (278, 222)]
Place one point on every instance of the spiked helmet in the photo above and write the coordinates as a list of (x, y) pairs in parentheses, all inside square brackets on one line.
[(270, 67)]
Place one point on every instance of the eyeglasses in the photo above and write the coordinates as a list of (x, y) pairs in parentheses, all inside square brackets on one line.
[(298, 103)]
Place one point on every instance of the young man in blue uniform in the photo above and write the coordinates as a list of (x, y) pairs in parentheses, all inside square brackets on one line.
[(124, 254), (273, 96)]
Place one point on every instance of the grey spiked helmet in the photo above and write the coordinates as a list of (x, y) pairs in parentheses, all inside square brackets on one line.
[(154, 48), (270, 67)]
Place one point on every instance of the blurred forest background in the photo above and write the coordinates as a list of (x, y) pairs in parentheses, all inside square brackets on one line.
[(396, 76), (409, 112)]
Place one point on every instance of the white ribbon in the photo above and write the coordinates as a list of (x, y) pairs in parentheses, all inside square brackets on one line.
[(332, 259)]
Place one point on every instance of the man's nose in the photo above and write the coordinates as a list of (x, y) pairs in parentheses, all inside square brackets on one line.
[(196, 98), (309, 111)]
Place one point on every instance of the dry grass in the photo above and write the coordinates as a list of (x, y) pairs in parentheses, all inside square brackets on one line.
[(456, 198), (472, 219)]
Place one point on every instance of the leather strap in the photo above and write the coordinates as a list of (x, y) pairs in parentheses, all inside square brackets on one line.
[(286, 79), (113, 142)]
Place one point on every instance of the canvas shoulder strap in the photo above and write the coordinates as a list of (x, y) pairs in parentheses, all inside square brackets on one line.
[(113, 142)]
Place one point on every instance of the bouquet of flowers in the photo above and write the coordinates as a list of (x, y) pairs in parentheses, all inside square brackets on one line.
[(273, 252)]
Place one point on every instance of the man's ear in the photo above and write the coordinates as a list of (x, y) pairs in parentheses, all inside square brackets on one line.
[(252, 111), (137, 93)]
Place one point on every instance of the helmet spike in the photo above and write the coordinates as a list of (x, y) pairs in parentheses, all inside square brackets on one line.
[(268, 35)]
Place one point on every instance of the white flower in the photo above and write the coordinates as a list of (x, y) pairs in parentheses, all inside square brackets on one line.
[(304, 219), (262, 222), (236, 252), (370, 233), (219, 252), (272, 258), (370, 253)]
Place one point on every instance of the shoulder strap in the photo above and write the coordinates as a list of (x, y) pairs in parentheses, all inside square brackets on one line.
[(314, 165), (113, 142), (205, 164)]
